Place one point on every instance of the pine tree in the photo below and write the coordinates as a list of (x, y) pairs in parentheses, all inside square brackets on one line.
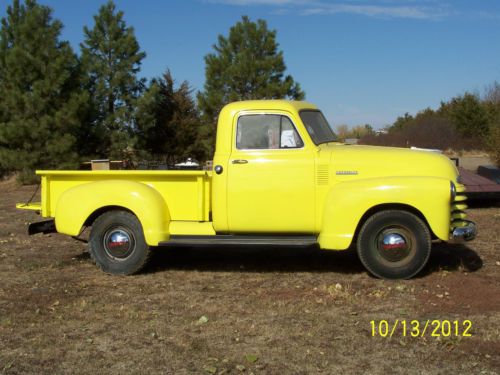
[(111, 57), (41, 103), (168, 120), (244, 65), (186, 124), (468, 114)]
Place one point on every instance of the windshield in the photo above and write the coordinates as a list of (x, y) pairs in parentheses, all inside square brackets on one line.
[(318, 128)]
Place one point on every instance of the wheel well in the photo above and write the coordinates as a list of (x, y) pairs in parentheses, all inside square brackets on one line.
[(94, 215), (391, 206)]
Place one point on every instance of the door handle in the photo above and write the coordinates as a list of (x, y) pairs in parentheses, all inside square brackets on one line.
[(239, 161)]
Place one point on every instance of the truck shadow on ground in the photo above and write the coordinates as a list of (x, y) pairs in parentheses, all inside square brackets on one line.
[(296, 259), (449, 257), (254, 259)]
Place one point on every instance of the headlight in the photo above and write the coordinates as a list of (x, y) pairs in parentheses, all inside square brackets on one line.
[(453, 191)]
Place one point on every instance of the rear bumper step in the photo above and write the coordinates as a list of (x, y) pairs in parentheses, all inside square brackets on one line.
[(47, 226), (29, 206), (241, 240)]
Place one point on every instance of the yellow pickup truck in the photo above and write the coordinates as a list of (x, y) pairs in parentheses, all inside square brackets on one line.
[(279, 177)]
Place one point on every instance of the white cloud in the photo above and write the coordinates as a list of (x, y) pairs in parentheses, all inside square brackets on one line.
[(378, 11), (259, 2), (423, 10)]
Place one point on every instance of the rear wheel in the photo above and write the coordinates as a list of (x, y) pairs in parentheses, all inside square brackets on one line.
[(117, 243), (394, 244)]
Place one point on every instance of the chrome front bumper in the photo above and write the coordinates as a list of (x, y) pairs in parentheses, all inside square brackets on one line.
[(464, 233)]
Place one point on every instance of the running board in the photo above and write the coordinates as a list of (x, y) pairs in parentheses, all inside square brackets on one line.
[(231, 239)]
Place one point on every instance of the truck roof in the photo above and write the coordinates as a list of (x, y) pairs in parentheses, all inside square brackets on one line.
[(287, 105), (228, 113)]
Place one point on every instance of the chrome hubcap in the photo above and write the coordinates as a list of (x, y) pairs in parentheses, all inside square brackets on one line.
[(118, 243), (394, 244)]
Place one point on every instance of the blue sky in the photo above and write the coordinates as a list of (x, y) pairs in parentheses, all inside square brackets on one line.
[(361, 61)]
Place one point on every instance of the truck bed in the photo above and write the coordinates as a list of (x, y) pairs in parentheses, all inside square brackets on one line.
[(187, 192)]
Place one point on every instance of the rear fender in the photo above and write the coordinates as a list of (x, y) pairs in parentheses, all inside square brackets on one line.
[(78, 203), (347, 202)]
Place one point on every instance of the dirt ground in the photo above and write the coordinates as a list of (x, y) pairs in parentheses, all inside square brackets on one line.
[(471, 162), (242, 310)]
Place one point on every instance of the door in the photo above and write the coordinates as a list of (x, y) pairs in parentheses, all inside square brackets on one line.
[(270, 185)]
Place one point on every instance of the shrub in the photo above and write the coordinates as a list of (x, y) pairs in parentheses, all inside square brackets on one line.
[(493, 143), (27, 177), (427, 130)]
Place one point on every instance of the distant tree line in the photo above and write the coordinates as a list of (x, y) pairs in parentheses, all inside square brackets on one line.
[(344, 132), (466, 122), (58, 108)]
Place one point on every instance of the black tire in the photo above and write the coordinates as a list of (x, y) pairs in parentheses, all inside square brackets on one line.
[(394, 244), (117, 243)]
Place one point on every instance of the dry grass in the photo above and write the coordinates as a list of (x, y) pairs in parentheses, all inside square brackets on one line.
[(266, 311), (466, 153)]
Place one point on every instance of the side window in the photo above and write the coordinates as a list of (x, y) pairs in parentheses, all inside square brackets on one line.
[(289, 136), (257, 132)]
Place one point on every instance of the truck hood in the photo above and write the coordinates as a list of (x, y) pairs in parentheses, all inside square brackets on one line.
[(376, 161)]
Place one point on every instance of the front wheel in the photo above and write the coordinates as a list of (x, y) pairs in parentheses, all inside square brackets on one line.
[(394, 244), (117, 243)]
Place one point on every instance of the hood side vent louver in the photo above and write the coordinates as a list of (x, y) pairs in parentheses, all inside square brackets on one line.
[(322, 174)]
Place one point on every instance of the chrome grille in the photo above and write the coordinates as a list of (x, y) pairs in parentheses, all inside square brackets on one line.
[(458, 215)]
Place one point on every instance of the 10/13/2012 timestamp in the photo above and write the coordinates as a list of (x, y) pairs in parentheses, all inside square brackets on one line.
[(417, 328)]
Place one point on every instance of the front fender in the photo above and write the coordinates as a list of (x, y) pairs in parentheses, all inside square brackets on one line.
[(347, 202), (78, 203)]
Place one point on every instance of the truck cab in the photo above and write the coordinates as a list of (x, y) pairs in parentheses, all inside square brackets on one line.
[(264, 169)]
